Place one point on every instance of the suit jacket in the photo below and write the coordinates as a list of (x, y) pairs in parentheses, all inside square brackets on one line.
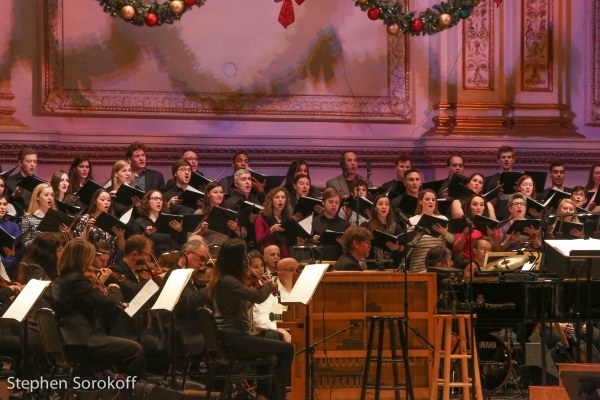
[(153, 180), (339, 183), (78, 306), (347, 262), (20, 202)]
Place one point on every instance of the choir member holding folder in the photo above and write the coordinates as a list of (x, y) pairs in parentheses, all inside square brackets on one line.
[(437, 234), (592, 187), (167, 236), (18, 195), (233, 303), (63, 190), (476, 205), (301, 188), (277, 210), (4, 192), (80, 172), (329, 220), (515, 232), (214, 238), (568, 226), (383, 221), (85, 227), (9, 253), (176, 196), (476, 185), (42, 199), (579, 196), (299, 167)]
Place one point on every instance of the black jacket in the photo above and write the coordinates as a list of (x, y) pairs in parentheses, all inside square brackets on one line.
[(347, 262)]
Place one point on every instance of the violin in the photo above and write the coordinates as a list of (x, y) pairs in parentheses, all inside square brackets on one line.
[(93, 274), (257, 281), (150, 271)]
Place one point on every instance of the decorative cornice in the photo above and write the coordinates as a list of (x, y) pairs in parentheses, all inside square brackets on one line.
[(536, 45), (395, 107)]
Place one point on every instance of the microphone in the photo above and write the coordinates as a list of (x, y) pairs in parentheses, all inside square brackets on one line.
[(343, 165), (405, 219), (368, 164)]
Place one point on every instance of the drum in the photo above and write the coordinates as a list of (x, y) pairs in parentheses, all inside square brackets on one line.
[(494, 362)]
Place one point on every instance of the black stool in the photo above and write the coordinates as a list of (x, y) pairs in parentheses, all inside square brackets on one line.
[(394, 360)]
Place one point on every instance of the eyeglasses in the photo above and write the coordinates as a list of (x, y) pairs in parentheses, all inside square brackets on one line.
[(184, 169), (190, 159), (519, 204), (200, 257), (156, 198), (483, 249)]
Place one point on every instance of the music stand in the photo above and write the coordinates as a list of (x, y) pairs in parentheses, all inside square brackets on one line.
[(581, 384), (587, 250)]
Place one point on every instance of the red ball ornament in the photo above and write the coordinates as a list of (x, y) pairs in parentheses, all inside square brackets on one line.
[(151, 19), (374, 13), (416, 25), (190, 2)]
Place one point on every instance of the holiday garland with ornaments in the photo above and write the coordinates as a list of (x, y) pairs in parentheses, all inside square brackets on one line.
[(139, 13)]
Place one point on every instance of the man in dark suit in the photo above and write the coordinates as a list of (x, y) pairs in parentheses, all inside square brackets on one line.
[(145, 178), (456, 165), (506, 157), (17, 196), (342, 182), (356, 243), (402, 164), (558, 174), (243, 187), (182, 172)]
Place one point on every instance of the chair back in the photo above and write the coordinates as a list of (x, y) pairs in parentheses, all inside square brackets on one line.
[(52, 339), (212, 343)]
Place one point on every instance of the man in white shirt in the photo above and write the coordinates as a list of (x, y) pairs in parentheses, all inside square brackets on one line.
[(286, 269)]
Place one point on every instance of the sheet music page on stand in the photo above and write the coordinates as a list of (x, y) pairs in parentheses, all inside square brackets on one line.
[(26, 300), (306, 223), (142, 297), (566, 246), (172, 291), (306, 285)]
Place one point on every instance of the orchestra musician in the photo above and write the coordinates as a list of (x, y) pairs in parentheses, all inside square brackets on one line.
[(330, 220), (296, 168), (9, 255), (42, 199), (79, 306), (85, 226), (286, 269), (102, 255), (232, 309), (402, 164), (80, 172), (18, 196), (439, 257), (144, 178), (481, 247), (356, 243), (271, 257), (475, 205), (475, 184), (516, 206), (383, 221)]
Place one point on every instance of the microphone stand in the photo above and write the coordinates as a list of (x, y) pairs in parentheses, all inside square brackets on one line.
[(473, 341), (311, 352)]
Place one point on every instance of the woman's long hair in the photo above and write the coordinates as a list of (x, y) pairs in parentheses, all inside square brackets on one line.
[(467, 206), (70, 197), (92, 207), (34, 205), (289, 177), (231, 261), (78, 255), (119, 165), (206, 206), (523, 178), (590, 183), (74, 175), (422, 193), (374, 222), (43, 252), (286, 213)]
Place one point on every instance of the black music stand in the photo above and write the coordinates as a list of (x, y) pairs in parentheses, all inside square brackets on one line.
[(586, 250)]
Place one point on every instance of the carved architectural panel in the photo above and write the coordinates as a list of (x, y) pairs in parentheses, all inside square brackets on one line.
[(58, 99), (593, 64), (478, 48), (536, 45)]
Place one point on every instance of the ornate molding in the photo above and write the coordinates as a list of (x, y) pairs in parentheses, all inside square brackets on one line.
[(536, 46), (7, 121), (478, 48), (593, 64), (57, 100)]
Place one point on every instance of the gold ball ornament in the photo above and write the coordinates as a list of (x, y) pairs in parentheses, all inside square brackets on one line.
[(176, 7), (362, 2), (127, 12), (393, 29), (445, 20)]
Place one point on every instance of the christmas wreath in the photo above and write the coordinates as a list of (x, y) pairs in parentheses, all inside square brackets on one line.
[(431, 21), (139, 13)]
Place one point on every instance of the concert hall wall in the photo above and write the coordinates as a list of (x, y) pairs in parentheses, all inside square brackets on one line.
[(228, 76)]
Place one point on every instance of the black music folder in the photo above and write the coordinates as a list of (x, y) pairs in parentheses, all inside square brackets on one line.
[(106, 222), (380, 239), (399, 188), (538, 178), (433, 185), (457, 179), (30, 182), (362, 204), (427, 221), (508, 180), (566, 226), (460, 191), (376, 191), (198, 180), (532, 204), (521, 224), (190, 197), (480, 223), (306, 206), (218, 217), (292, 230), (87, 191), (191, 222), (554, 198), (162, 222), (408, 204), (492, 194), (407, 237), (53, 219), (392, 195), (4, 175), (271, 181), (6, 240), (330, 237), (125, 193), (250, 207), (444, 205), (67, 208)]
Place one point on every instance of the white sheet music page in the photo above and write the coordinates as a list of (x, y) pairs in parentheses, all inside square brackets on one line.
[(307, 283), (566, 246), (306, 223), (26, 300), (127, 216), (142, 297), (172, 291)]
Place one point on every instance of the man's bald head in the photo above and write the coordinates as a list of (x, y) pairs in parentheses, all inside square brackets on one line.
[(271, 255), (287, 265)]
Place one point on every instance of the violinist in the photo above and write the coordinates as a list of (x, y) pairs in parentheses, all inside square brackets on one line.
[(262, 326), (232, 309), (102, 255), (79, 306)]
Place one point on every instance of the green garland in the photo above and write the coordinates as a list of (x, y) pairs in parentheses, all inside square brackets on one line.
[(391, 13), (142, 9)]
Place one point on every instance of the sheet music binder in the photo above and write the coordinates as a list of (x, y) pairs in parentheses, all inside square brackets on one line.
[(306, 285), (168, 298), (25, 301)]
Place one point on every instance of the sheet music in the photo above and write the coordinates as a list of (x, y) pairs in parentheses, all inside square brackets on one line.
[(26, 300), (108, 184), (127, 216), (172, 290), (306, 223), (307, 283), (142, 297), (565, 247)]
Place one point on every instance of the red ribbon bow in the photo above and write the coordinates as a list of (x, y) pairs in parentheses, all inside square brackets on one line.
[(286, 16), (497, 2)]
